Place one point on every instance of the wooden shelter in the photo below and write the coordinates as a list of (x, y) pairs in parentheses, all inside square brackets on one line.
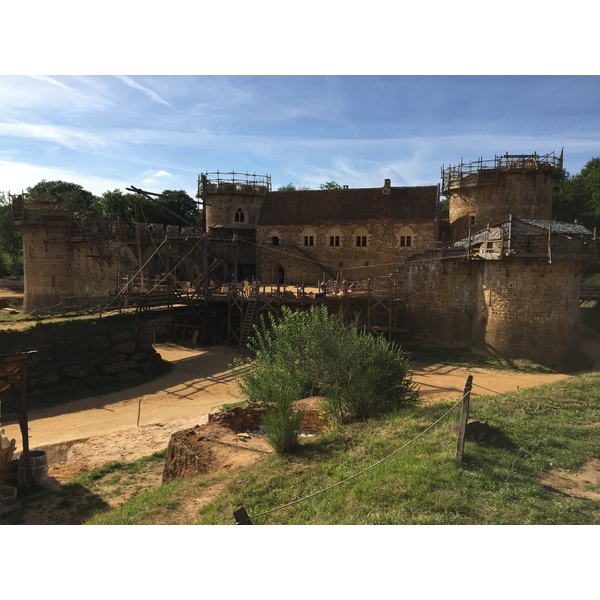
[(13, 374)]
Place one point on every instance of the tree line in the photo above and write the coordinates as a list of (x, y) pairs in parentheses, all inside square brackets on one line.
[(576, 198), (171, 207)]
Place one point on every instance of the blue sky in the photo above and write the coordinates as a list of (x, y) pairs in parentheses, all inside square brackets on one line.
[(132, 94), (159, 132)]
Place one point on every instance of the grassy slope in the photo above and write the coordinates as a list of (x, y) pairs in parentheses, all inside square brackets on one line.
[(498, 483)]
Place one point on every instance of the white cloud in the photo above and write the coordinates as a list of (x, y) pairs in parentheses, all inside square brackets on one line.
[(162, 174), (52, 81), (65, 136), (16, 177), (136, 86)]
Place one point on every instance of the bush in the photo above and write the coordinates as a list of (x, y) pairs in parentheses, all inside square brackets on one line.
[(282, 421), (306, 351), (271, 382), (372, 378)]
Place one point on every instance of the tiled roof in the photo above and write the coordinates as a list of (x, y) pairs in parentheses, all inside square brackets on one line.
[(359, 205), (523, 227), (558, 226)]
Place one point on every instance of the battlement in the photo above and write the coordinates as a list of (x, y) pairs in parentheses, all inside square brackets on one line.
[(233, 183), (488, 172)]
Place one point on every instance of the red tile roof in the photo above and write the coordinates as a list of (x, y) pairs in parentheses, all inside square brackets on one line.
[(358, 205)]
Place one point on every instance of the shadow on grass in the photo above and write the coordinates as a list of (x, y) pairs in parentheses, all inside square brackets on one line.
[(56, 504), (321, 446), (497, 439)]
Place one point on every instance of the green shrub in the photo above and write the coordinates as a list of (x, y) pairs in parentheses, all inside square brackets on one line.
[(270, 381), (282, 420), (313, 351)]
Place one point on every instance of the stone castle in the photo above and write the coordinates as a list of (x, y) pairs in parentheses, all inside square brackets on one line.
[(499, 276)]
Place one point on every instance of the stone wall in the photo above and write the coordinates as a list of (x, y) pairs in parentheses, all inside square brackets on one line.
[(83, 354), (529, 310), (221, 208), (306, 264), (526, 195), (512, 308)]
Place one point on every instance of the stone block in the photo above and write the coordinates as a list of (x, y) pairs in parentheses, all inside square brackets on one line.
[(119, 367), (78, 371), (121, 336), (126, 347)]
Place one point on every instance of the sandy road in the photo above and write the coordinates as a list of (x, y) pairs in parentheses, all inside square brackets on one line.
[(200, 382)]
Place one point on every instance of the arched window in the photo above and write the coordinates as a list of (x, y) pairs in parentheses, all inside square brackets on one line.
[(361, 235), (334, 237), (239, 216), (406, 237)]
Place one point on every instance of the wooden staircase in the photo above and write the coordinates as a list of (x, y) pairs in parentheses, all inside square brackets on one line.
[(248, 321)]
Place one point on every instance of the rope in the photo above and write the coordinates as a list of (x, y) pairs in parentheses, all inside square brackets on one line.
[(359, 472), (175, 267), (335, 268), (141, 268), (488, 390)]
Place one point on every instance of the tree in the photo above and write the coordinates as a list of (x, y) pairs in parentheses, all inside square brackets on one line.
[(330, 185), (11, 242), (445, 208), (70, 196), (290, 187), (116, 205), (577, 198), (181, 207), (172, 207)]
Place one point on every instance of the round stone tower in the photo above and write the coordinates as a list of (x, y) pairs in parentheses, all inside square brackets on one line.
[(489, 192)]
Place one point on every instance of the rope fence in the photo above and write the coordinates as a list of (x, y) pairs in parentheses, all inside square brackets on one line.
[(242, 517)]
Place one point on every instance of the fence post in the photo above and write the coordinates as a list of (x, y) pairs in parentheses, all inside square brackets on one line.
[(464, 415), (241, 516)]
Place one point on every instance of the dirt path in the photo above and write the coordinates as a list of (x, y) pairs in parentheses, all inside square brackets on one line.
[(87, 433), (199, 383)]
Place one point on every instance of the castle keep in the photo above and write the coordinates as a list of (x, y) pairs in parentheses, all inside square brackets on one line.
[(499, 276)]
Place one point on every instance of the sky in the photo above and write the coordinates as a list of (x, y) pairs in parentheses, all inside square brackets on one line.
[(151, 98), (105, 132)]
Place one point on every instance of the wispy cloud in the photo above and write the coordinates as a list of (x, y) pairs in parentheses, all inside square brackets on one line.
[(18, 176), (51, 81), (137, 86), (69, 137)]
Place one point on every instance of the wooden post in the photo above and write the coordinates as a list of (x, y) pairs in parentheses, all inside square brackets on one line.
[(464, 415), (241, 517), (23, 424)]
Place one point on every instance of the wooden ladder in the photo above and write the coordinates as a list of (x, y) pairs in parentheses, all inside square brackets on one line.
[(248, 321)]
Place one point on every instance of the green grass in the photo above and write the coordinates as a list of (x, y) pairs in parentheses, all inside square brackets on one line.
[(499, 482), (463, 357), (116, 468)]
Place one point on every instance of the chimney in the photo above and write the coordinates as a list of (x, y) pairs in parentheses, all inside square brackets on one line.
[(387, 184)]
